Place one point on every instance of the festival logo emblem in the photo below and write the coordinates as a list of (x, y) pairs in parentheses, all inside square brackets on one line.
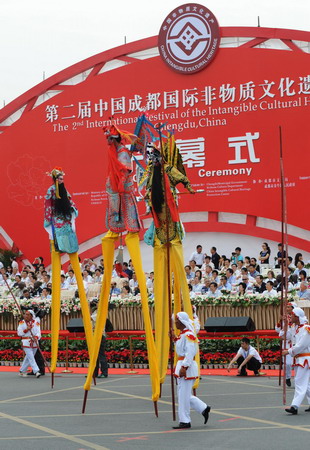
[(189, 38)]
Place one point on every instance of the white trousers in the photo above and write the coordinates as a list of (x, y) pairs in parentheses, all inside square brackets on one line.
[(29, 360), (187, 401), (302, 385)]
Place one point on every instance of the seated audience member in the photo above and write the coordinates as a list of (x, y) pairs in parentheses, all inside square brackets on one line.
[(248, 283), (291, 265), (71, 277), (46, 294), (17, 280), (230, 276), (206, 286), (215, 276), (259, 286), (114, 289), (64, 282), (252, 271), (150, 281), (196, 285), (87, 276), (254, 263), (192, 294), (224, 285), (133, 283), (207, 262), (222, 263), (208, 272), (247, 357), (294, 280), (279, 282), (193, 267), (300, 266), (37, 288), (302, 275), (304, 293), (238, 271), (213, 291), (241, 289), (264, 255), (125, 291), (46, 280), (188, 273), (226, 264), (127, 270), (198, 274), (298, 257), (98, 276), (25, 295), (247, 261), (198, 256), (270, 292), (271, 276), (25, 278)]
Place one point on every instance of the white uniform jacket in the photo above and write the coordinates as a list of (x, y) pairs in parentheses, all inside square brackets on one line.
[(186, 348), (301, 349), (26, 334)]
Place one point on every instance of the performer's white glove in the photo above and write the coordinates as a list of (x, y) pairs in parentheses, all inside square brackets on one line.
[(49, 230), (73, 217)]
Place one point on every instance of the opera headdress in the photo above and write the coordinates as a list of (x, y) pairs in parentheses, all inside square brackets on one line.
[(55, 173)]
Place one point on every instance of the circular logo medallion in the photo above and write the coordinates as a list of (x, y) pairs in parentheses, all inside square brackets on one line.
[(189, 38)]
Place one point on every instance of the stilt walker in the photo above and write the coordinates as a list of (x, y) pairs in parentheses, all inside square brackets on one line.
[(164, 171), (121, 216), (59, 221)]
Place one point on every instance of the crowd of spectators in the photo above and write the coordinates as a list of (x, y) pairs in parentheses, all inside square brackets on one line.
[(214, 274), (207, 274)]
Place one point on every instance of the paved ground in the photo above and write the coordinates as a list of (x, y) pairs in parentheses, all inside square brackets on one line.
[(246, 413)]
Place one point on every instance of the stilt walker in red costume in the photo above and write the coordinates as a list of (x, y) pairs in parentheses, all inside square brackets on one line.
[(121, 216)]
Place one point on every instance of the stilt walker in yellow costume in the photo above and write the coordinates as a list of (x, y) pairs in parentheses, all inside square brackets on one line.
[(59, 221), (121, 216)]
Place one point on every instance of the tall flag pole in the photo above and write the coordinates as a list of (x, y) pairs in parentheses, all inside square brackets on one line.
[(284, 243)]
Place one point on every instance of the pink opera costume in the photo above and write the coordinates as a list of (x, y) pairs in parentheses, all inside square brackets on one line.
[(121, 216), (59, 221)]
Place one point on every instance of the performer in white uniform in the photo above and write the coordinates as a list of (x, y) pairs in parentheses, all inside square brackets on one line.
[(29, 330), (301, 353), (286, 344), (186, 371)]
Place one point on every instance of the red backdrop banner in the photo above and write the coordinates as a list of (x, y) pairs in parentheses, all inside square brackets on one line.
[(226, 120)]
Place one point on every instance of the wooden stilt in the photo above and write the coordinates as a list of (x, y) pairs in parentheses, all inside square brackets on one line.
[(156, 409), (84, 401)]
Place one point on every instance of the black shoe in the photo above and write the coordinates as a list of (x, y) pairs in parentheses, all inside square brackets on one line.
[(307, 410), (205, 414), (182, 425), (288, 382), (31, 373), (242, 374), (292, 410)]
